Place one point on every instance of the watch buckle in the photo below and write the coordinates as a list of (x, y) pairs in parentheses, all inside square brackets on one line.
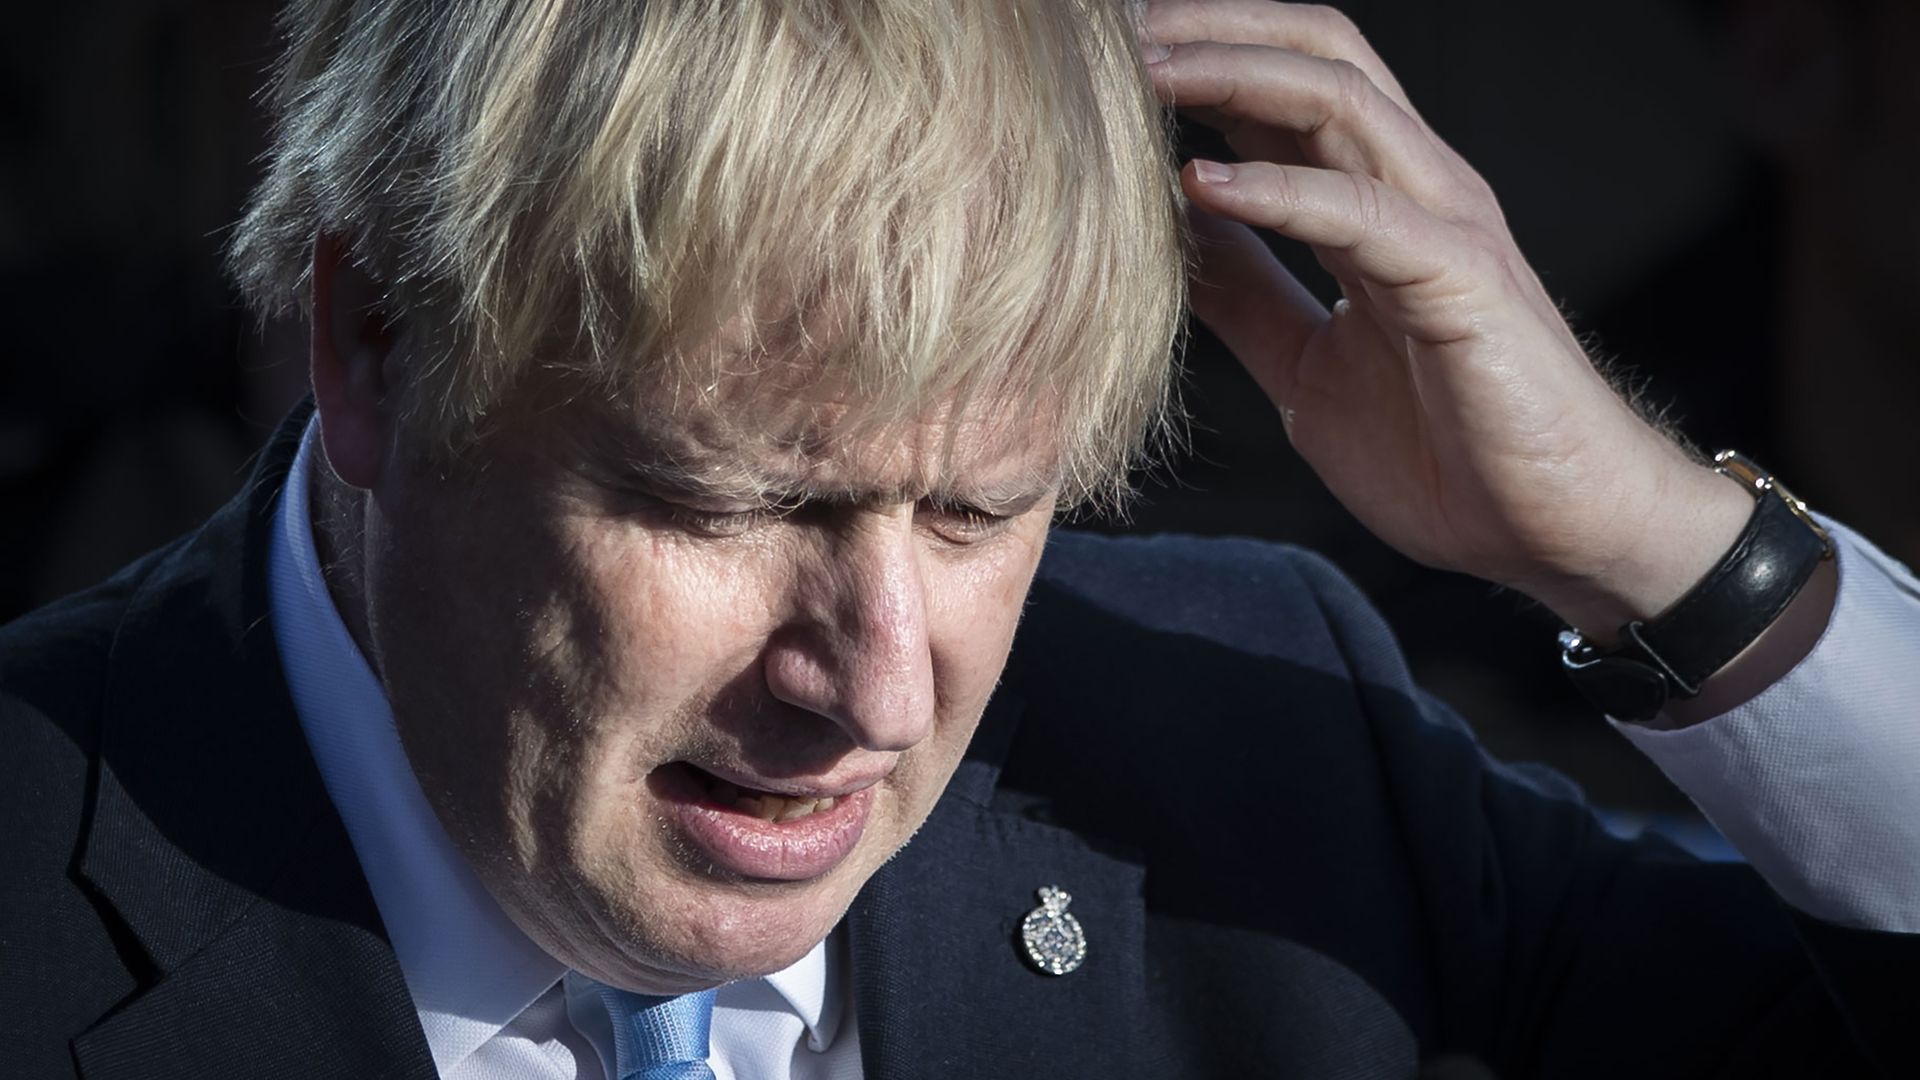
[(1747, 472)]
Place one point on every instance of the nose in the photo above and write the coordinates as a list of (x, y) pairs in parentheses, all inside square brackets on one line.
[(856, 649)]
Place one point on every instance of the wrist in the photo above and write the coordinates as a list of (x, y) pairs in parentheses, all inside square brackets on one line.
[(1693, 518), (1730, 620)]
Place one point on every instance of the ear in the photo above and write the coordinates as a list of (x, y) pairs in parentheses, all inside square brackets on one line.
[(354, 374)]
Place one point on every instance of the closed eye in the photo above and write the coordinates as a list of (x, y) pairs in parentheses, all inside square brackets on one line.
[(705, 521), (719, 523), (960, 523), (955, 522)]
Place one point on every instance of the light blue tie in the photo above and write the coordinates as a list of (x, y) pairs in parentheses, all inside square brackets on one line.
[(657, 1038)]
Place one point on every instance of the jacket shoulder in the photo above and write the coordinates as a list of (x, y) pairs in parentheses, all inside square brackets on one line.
[(1162, 658), (65, 965), (53, 660), (1253, 596)]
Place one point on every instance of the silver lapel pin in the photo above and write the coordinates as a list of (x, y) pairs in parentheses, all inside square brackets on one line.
[(1053, 938)]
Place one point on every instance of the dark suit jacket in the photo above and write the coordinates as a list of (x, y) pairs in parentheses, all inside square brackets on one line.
[(1288, 862)]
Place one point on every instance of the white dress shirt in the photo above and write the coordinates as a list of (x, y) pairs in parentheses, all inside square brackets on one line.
[(1816, 781), (493, 1005)]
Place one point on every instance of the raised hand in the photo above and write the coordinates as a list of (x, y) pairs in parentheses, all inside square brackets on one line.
[(1444, 400)]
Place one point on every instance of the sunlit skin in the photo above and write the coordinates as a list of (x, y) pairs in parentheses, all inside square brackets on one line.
[(600, 611)]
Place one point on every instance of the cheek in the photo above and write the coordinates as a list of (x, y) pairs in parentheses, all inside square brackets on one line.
[(633, 641), (630, 639), (973, 616), (643, 617)]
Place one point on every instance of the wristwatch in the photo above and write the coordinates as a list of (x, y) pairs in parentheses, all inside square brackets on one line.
[(1671, 656)]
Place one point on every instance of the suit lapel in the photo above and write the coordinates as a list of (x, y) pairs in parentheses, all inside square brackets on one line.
[(212, 840), (282, 991), (942, 986)]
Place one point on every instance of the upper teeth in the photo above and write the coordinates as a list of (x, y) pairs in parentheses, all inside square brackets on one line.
[(769, 807)]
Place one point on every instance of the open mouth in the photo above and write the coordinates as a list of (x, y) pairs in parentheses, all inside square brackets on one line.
[(686, 782), (764, 805), (754, 833)]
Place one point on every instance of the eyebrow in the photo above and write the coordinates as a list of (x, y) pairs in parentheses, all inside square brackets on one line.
[(640, 460)]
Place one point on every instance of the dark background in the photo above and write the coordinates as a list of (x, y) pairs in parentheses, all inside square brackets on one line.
[(1718, 192)]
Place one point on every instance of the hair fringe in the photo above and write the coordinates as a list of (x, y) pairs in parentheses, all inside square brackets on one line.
[(932, 206)]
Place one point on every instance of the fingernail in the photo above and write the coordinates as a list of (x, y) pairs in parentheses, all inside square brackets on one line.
[(1153, 52), (1211, 172)]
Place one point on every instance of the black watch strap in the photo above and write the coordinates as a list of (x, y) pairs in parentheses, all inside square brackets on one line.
[(1671, 656)]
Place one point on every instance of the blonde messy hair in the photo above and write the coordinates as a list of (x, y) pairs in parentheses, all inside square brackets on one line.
[(980, 191)]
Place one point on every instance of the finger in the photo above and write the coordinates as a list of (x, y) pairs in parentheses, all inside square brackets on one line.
[(1313, 29), (1251, 302), (1411, 261), (1262, 314), (1249, 141), (1341, 119)]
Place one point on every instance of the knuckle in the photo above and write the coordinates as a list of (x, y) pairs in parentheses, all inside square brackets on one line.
[(1332, 21), (1471, 187), (1458, 201), (1278, 198), (1481, 206), (1370, 204), (1283, 189), (1477, 192), (1353, 91), (1495, 264)]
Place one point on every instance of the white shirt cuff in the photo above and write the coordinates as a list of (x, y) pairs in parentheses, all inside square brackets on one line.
[(1817, 780)]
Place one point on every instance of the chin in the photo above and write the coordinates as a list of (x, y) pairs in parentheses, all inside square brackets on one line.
[(690, 935)]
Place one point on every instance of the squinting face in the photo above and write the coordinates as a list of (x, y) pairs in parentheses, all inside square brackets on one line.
[(674, 731)]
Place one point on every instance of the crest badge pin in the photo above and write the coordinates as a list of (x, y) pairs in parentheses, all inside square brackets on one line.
[(1054, 940)]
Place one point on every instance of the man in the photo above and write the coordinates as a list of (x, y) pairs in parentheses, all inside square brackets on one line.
[(633, 612)]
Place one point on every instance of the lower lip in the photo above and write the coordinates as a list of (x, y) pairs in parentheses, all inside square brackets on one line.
[(742, 844)]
